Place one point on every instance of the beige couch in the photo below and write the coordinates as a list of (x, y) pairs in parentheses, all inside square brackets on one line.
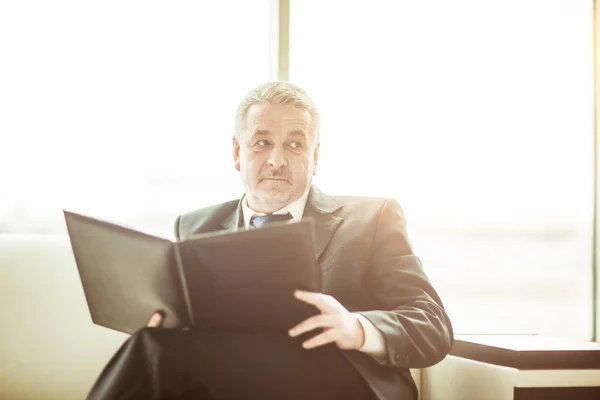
[(49, 347)]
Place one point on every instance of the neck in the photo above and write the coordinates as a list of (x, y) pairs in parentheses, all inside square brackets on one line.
[(264, 207), (260, 205)]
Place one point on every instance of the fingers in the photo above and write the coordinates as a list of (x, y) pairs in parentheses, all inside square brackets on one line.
[(156, 320), (323, 302), (329, 336), (318, 321)]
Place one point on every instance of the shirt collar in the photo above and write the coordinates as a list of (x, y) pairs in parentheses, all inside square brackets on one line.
[(295, 208)]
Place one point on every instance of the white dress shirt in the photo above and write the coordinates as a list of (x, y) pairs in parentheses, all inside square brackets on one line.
[(295, 208), (374, 344)]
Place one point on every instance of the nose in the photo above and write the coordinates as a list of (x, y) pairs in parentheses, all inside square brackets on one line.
[(277, 158)]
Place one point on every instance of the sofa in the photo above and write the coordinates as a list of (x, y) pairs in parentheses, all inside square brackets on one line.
[(49, 347)]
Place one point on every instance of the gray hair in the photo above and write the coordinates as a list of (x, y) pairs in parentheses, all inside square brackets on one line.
[(281, 93)]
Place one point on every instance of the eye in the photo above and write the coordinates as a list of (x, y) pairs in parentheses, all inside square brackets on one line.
[(262, 143), (296, 145)]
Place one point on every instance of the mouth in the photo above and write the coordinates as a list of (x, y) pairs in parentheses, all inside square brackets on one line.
[(275, 179)]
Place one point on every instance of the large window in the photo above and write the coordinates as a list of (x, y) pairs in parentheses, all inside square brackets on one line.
[(477, 116), (122, 109)]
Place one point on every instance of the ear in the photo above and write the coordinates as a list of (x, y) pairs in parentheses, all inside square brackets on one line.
[(236, 154), (316, 158)]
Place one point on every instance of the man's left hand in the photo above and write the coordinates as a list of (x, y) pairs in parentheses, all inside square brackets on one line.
[(340, 325)]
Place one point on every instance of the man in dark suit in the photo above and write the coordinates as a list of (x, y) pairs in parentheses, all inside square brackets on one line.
[(379, 315)]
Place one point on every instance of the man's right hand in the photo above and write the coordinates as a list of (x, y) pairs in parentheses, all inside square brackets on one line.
[(156, 320)]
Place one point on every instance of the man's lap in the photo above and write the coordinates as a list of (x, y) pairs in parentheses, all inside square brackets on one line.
[(238, 364)]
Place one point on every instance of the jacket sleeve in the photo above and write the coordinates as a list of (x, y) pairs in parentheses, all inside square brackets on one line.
[(411, 317)]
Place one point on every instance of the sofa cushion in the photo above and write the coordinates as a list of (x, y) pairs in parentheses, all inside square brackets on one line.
[(49, 346)]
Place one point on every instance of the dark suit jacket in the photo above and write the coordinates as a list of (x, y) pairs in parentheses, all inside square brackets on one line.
[(368, 265)]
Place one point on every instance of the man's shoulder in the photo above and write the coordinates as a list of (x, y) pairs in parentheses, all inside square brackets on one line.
[(367, 207), (207, 218), (213, 210), (361, 201)]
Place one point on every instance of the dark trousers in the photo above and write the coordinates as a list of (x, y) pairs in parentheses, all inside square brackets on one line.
[(157, 363)]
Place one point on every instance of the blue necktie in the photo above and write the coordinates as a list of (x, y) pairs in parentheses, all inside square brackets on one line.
[(258, 221)]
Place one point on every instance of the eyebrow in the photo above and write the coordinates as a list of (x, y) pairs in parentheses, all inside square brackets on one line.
[(262, 132), (297, 133)]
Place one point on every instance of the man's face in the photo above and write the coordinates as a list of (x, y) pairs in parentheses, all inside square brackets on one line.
[(276, 154)]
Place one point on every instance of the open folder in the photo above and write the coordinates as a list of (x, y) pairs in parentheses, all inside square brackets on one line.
[(227, 279)]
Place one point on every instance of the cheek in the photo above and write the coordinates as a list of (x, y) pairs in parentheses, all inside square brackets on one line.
[(303, 167), (253, 164)]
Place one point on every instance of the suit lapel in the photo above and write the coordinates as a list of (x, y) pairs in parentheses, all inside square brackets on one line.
[(321, 209), (234, 221)]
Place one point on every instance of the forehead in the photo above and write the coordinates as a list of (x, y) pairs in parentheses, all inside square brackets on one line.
[(274, 116)]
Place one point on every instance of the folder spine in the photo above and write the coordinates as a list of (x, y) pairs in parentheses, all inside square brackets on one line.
[(184, 285)]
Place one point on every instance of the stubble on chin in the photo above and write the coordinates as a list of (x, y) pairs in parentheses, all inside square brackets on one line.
[(273, 197)]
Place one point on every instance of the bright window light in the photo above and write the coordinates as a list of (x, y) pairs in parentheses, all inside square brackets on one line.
[(478, 117), (122, 109)]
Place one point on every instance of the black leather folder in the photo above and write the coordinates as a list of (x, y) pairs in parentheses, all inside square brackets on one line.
[(228, 279)]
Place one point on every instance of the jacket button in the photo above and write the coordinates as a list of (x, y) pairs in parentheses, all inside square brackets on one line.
[(401, 358)]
